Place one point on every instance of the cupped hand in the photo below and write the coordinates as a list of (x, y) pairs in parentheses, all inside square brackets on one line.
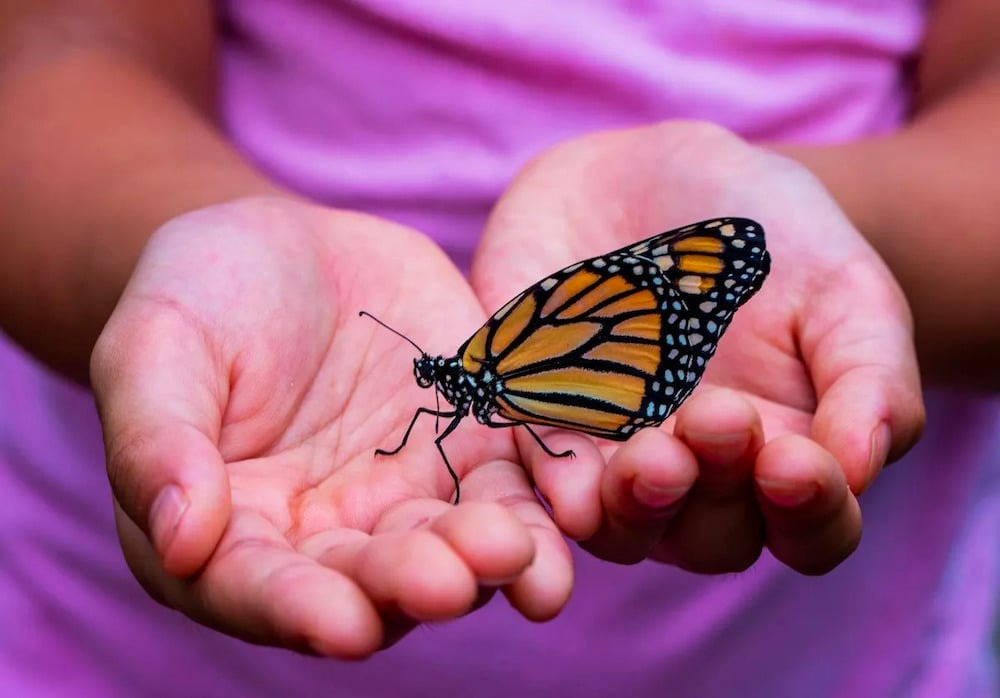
[(242, 399), (813, 389)]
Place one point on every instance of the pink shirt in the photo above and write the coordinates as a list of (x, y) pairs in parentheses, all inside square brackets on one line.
[(420, 112)]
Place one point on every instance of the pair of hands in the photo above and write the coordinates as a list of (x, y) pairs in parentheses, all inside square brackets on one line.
[(243, 398)]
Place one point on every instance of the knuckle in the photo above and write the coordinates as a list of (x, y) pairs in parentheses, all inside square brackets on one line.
[(126, 453)]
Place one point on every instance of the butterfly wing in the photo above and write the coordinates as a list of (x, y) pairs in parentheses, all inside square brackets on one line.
[(615, 343), (716, 266)]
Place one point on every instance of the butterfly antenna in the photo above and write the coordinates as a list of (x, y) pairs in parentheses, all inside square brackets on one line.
[(365, 313)]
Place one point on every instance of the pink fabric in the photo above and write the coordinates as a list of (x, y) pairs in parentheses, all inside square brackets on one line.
[(421, 112)]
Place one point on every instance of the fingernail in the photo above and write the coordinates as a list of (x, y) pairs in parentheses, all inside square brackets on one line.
[(653, 497), (788, 494), (881, 436), (165, 515)]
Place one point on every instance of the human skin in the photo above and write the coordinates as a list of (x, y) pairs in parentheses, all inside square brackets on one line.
[(260, 476), (814, 385)]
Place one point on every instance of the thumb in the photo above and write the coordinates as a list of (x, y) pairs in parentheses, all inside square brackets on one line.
[(864, 369), (157, 396)]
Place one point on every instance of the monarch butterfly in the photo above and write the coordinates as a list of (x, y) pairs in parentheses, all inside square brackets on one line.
[(606, 346)]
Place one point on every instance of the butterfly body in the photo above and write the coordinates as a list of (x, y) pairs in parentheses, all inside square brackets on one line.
[(466, 392), (606, 346)]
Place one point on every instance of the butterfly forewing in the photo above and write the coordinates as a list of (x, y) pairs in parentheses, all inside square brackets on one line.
[(615, 343)]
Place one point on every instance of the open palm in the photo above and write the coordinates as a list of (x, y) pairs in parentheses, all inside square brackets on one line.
[(813, 387), (242, 400)]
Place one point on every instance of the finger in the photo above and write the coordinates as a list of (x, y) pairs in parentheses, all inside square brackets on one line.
[(403, 566), (863, 365), (488, 538), (156, 396), (343, 550), (259, 590), (506, 541), (537, 591), (545, 587), (724, 431), (812, 519), (542, 589), (415, 574), (571, 485), (719, 528), (643, 486)]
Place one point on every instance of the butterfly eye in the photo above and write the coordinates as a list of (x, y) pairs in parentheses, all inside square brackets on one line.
[(423, 371)]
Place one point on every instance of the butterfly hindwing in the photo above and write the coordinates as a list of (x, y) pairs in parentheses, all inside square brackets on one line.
[(716, 266)]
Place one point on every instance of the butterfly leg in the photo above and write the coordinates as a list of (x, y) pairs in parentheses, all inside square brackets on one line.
[(437, 442), (416, 416), (536, 437), (456, 418)]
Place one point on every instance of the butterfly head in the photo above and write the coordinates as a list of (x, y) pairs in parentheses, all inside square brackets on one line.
[(425, 370)]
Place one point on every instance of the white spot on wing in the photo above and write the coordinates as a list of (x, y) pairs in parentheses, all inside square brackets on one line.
[(690, 283)]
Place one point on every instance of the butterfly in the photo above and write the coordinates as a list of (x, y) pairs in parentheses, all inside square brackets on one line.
[(606, 346)]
